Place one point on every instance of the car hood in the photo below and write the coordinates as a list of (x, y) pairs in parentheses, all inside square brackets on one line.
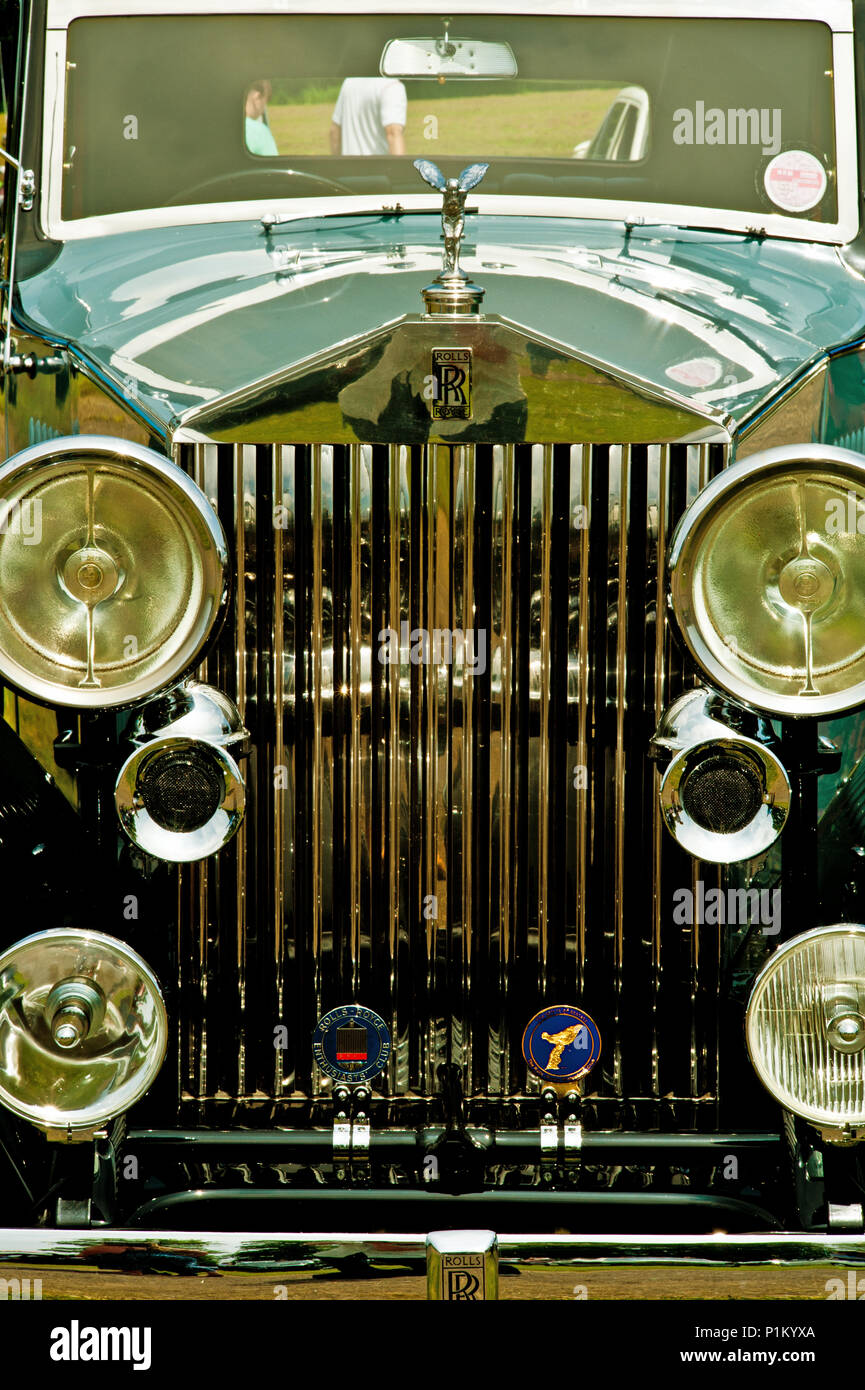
[(179, 318)]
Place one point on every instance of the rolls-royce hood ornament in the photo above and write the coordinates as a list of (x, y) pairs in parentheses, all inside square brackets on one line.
[(452, 292)]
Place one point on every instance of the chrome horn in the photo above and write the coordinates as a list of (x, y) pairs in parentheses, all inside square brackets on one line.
[(83, 1030), (180, 795), (725, 795)]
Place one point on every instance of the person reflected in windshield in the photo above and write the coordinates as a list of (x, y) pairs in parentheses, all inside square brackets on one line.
[(369, 117), (259, 137)]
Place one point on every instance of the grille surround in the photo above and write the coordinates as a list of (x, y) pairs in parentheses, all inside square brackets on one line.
[(311, 907)]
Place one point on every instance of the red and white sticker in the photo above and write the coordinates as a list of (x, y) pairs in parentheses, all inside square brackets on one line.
[(795, 180), (698, 372)]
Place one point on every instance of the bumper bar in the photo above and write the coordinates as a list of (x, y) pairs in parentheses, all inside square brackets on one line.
[(98, 1264)]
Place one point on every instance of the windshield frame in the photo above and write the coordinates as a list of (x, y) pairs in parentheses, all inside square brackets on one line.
[(834, 14)]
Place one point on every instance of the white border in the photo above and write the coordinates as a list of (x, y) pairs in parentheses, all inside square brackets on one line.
[(836, 13), (603, 209)]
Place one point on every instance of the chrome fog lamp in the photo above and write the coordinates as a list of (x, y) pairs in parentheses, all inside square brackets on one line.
[(768, 580), (806, 1027), (83, 1030), (725, 795), (113, 572), (180, 795)]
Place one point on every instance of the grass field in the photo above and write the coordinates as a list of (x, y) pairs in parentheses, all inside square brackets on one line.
[(540, 125)]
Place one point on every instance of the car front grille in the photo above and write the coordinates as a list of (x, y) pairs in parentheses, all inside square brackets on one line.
[(420, 837)]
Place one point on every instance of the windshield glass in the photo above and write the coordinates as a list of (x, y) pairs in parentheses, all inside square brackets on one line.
[(171, 110)]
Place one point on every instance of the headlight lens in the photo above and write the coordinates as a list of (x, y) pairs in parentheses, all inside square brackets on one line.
[(113, 572), (768, 580), (83, 1030), (806, 1026)]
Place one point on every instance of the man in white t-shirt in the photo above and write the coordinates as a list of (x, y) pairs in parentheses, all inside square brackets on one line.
[(369, 117)]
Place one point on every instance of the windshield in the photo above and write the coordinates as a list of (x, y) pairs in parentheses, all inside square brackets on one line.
[(172, 110)]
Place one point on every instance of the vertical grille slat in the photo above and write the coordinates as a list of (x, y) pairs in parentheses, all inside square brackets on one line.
[(421, 837)]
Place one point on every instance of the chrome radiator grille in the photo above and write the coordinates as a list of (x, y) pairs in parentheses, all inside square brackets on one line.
[(420, 837)]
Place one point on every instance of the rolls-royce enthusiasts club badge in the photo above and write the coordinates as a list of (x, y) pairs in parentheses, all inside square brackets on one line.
[(451, 396), (351, 1043), (561, 1043)]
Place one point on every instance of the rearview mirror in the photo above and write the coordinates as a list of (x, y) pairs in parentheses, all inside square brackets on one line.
[(447, 57)]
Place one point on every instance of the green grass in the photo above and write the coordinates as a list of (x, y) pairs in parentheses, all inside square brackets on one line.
[(539, 125)]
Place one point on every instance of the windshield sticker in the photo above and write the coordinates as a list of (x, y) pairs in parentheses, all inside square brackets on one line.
[(795, 180), (698, 372)]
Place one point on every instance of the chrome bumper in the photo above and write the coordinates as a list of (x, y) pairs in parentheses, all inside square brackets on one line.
[(133, 1264)]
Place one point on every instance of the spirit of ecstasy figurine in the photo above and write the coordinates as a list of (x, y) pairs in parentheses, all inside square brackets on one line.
[(453, 203)]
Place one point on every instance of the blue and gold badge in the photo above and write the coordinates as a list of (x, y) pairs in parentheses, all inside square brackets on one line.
[(351, 1043), (561, 1043)]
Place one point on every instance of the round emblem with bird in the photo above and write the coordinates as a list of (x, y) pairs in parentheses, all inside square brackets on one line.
[(561, 1043)]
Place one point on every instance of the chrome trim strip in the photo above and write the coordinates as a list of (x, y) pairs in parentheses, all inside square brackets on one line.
[(463, 754), (400, 772), (619, 505), (578, 645), (435, 603), (282, 498), (541, 637), (658, 497), (247, 562)]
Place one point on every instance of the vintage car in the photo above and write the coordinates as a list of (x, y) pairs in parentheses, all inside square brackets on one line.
[(432, 638)]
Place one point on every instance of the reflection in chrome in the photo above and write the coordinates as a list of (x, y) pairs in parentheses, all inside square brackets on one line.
[(725, 796), (435, 837), (180, 794), (805, 1027), (240, 1255), (94, 614), (83, 1030), (767, 575)]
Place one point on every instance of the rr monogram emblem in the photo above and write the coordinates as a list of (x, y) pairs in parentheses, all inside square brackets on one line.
[(463, 1278), (452, 377)]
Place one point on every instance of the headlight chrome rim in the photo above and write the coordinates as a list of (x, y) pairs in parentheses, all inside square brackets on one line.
[(94, 562), (179, 846), (761, 831), (822, 1118), (718, 657), (127, 1005)]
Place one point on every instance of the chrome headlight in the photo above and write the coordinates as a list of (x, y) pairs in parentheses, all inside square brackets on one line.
[(180, 795), (83, 1030), (725, 795), (768, 580), (113, 572), (806, 1026)]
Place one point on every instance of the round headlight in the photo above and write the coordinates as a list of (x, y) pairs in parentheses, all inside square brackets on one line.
[(768, 580), (83, 1030), (806, 1026), (113, 572), (180, 799)]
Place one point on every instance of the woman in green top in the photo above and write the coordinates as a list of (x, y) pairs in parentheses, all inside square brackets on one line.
[(259, 137)]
